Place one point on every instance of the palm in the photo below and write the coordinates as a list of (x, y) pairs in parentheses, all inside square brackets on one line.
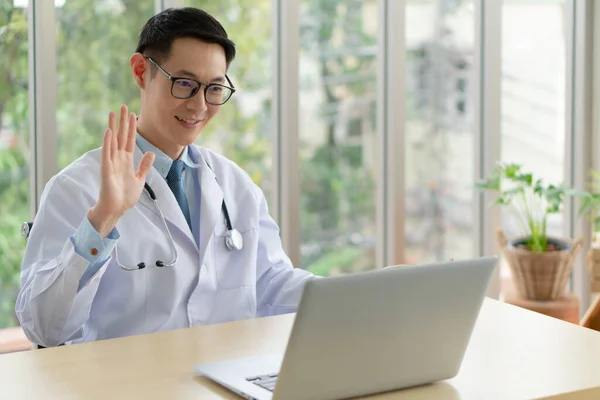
[(123, 187), (120, 185)]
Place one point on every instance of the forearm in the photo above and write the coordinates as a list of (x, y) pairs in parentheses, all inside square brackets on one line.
[(51, 307), (280, 289), (279, 285)]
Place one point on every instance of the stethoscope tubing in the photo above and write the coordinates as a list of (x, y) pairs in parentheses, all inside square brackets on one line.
[(233, 240)]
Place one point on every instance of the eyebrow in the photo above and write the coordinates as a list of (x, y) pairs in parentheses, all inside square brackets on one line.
[(185, 72)]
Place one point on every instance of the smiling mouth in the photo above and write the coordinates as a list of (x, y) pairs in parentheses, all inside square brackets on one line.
[(189, 121)]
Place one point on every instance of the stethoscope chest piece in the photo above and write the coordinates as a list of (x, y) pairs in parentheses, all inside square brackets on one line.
[(234, 240)]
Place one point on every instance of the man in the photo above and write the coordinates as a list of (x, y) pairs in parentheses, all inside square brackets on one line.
[(109, 257)]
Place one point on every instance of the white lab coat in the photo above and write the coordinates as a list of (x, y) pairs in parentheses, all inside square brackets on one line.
[(209, 284)]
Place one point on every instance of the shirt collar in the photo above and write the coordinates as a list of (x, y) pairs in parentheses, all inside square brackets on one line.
[(162, 162)]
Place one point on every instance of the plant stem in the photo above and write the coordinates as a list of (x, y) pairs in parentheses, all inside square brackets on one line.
[(534, 225), (520, 219)]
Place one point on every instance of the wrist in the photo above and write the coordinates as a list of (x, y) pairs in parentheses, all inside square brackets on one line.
[(102, 220)]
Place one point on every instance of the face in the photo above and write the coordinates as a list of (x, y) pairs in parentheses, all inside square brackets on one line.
[(167, 122)]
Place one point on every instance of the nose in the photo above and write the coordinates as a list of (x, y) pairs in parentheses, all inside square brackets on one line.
[(198, 102)]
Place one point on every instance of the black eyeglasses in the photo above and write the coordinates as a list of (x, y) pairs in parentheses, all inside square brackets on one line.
[(185, 88)]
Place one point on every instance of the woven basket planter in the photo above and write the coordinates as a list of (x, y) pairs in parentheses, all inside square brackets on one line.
[(540, 276), (593, 264)]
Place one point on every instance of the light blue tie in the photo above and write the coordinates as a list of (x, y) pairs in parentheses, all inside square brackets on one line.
[(176, 185)]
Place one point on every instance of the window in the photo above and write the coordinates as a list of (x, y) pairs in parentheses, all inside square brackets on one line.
[(338, 159), (15, 154), (94, 42), (439, 134), (533, 96), (241, 131)]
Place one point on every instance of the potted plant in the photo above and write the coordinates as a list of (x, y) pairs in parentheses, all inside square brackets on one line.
[(540, 265)]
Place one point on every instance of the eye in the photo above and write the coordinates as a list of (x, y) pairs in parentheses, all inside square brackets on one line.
[(184, 83), (216, 89)]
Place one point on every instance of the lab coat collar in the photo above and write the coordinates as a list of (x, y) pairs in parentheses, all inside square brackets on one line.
[(163, 162)]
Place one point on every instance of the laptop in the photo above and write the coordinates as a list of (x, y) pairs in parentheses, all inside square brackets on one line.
[(366, 333)]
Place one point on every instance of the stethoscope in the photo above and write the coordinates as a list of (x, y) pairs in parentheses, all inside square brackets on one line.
[(233, 238)]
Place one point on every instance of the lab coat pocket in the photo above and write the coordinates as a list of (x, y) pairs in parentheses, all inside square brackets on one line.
[(235, 268)]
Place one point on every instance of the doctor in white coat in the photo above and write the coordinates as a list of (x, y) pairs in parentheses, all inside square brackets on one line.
[(97, 220)]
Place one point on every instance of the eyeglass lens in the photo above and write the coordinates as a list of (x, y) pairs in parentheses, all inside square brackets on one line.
[(186, 88)]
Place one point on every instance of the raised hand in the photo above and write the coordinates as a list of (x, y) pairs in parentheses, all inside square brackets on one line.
[(120, 185)]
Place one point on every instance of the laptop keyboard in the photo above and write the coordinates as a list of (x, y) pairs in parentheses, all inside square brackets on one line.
[(264, 381)]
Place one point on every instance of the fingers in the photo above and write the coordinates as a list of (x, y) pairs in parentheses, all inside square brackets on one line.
[(145, 165), (131, 132), (106, 147), (123, 135), (113, 144), (112, 121), (112, 127), (123, 127)]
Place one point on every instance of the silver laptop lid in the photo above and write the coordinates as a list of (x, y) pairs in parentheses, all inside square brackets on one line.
[(377, 331)]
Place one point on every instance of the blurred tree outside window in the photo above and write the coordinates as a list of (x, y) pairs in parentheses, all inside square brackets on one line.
[(15, 154), (338, 67), (439, 134)]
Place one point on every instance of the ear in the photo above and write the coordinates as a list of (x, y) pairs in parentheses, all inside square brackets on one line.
[(139, 66)]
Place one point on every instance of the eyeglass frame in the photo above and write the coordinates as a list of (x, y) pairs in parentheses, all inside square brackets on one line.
[(174, 79)]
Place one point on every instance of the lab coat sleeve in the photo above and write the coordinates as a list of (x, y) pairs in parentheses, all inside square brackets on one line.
[(51, 307), (87, 238), (279, 285)]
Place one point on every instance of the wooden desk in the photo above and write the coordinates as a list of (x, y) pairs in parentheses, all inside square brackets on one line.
[(514, 354)]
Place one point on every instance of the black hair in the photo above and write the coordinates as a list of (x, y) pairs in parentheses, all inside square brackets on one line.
[(162, 29)]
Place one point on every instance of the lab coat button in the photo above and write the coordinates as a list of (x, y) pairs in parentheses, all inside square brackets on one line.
[(94, 251)]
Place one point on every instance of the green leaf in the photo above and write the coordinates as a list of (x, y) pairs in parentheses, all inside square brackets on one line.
[(511, 171), (525, 178)]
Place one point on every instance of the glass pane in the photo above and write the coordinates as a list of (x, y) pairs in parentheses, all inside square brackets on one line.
[(94, 42), (439, 153), (533, 97), (15, 155), (241, 131), (338, 159)]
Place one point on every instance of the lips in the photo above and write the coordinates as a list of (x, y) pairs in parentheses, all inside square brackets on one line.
[(189, 120)]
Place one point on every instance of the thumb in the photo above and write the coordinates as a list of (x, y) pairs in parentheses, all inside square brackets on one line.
[(145, 165)]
